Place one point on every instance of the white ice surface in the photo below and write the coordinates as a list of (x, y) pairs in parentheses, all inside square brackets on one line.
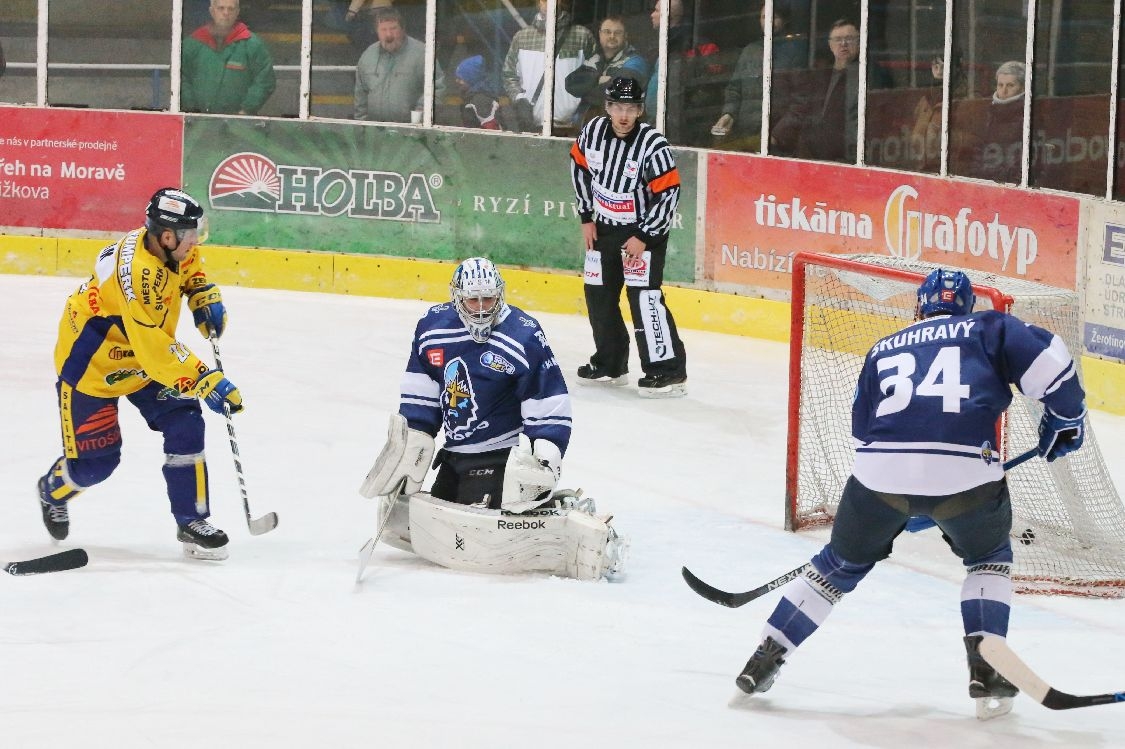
[(277, 648)]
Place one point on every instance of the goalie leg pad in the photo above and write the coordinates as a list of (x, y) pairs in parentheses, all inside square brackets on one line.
[(406, 456), (555, 540)]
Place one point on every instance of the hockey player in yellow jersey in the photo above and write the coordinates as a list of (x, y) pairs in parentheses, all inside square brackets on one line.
[(117, 338)]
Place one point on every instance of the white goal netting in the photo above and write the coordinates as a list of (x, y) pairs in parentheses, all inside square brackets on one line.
[(1068, 528)]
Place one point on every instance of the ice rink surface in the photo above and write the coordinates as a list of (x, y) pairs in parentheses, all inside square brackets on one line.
[(277, 647)]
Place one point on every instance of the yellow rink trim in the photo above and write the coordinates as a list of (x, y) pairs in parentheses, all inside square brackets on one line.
[(428, 280)]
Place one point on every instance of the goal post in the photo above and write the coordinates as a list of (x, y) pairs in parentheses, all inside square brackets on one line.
[(1068, 520)]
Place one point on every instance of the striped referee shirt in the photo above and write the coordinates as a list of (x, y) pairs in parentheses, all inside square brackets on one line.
[(630, 181)]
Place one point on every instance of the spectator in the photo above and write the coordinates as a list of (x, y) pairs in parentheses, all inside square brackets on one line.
[(615, 57), (925, 137), (695, 84), (481, 108), (391, 74), (823, 120), (999, 151), (741, 119), (524, 68), (359, 20), (226, 68)]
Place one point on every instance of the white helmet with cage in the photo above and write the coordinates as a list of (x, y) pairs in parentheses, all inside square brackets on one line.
[(478, 296)]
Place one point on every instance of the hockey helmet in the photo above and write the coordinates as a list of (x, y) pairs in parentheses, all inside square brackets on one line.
[(170, 208), (625, 90), (477, 280), (948, 291)]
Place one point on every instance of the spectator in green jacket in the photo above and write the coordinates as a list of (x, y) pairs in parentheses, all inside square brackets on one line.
[(226, 68)]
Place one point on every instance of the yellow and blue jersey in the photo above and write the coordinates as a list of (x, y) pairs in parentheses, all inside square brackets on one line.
[(118, 331)]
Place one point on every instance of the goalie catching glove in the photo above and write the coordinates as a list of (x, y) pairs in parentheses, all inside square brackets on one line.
[(206, 304), (1058, 435), (402, 465), (530, 475), (217, 391)]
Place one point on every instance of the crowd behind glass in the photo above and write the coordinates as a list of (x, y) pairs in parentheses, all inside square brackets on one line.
[(930, 86)]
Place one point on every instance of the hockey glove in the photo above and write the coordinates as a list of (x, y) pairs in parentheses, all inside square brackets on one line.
[(1058, 435), (206, 305), (216, 390)]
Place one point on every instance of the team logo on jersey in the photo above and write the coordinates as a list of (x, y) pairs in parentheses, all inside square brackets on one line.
[(987, 454), (458, 401), (436, 357), (497, 363), (631, 168)]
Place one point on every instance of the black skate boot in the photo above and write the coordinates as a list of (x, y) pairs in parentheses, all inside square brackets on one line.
[(991, 691), (762, 668), (55, 514), (591, 373), (203, 541), (662, 386)]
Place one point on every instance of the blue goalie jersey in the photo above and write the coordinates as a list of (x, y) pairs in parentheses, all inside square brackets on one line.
[(928, 398), (482, 395)]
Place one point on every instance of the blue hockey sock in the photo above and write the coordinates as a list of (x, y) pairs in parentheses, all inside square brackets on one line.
[(986, 595)]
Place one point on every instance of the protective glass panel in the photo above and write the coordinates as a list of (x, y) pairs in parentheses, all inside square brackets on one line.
[(17, 51), (1070, 102), (115, 58)]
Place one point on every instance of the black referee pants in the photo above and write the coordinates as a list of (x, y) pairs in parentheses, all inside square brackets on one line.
[(659, 344)]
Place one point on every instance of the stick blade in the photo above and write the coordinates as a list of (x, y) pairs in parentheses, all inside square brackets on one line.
[(264, 524), (721, 597), (70, 559)]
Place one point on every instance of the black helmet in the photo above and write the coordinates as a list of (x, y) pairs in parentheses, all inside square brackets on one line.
[(173, 209), (625, 89)]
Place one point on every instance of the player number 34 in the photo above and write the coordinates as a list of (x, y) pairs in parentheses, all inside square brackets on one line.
[(942, 380)]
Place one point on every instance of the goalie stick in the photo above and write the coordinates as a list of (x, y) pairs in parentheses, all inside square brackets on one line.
[(734, 600), (368, 549), (267, 522), (71, 559), (995, 650)]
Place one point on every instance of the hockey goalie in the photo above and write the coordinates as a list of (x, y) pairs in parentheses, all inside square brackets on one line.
[(481, 372)]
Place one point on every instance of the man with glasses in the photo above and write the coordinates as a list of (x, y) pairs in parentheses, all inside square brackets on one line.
[(616, 56), (117, 338), (823, 122), (627, 188)]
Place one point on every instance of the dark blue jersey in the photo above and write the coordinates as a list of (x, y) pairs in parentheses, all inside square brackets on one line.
[(482, 395), (928, 398)]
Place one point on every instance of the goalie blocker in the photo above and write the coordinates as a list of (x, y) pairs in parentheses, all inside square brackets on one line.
[(562, 537)]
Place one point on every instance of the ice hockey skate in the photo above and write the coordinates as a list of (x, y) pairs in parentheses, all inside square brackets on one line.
[(203, 541), (992, 692), (662, 386), (56, 516), (761, 670), (589, 373)]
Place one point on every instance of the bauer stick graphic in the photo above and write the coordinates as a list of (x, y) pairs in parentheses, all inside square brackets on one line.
[(267, 522), (734, 600)]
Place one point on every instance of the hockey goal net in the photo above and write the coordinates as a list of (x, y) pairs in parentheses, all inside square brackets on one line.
[(1068, 530)]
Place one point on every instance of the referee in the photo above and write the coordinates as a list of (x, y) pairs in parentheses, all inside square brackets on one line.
[(627, 188)]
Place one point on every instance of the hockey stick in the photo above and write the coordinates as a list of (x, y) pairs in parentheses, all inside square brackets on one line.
[(267, 522), (734, 600), (368, 549), (71, 559), (1001, 657)]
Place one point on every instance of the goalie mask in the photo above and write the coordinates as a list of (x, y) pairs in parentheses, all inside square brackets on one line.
[(945, 291), (478, 296)]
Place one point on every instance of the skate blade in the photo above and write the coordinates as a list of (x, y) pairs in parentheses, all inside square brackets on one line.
[(618, 381), (992, 707), (678, 390), (194, 551)]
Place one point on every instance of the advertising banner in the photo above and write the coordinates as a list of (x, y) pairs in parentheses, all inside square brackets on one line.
[(1105, 281), (401, 191), (761, 211), (84, 169)]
